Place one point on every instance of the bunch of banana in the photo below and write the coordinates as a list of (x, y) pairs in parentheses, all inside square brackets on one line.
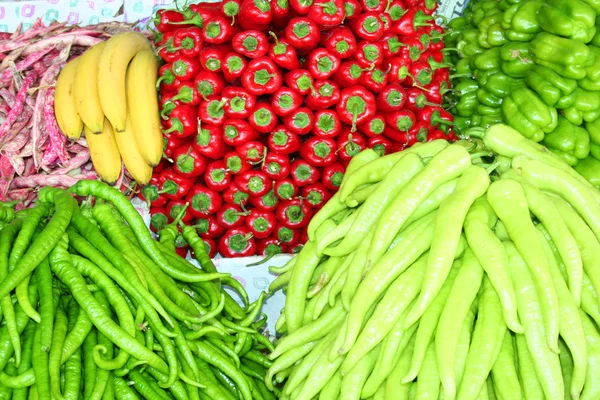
[(109, 92)]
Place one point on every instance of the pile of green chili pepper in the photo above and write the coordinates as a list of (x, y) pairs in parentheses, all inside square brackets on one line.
[(534, 65), (455, 271), (92, 307)]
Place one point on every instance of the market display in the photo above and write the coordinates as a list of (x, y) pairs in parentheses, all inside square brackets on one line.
[(534, 65), (435, 274), (265, 103), (105, 311)]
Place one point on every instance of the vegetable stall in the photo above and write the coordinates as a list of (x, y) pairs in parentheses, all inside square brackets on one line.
[(420, 186)]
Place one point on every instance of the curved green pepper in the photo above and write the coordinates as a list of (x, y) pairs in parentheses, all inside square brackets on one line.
[(569, 141), (516, 61), (573, 19)]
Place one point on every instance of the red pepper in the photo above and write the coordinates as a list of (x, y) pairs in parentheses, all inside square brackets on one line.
[(238, 131), (217, 177), (212, 58), (368, 26), (377, 6), (416, 100), (300, 80), (303, 34), (283, 141), (262, 76), (368, 54), (327, 14), (269, 247), (240, 103), (199, 14), (436, 90), (187, 94), (175, 208), (436, 35), (333, 175), (285, 189), (255, 183), (316, 195), (233, 195), (188, 162), (263, 118), (235, 164), (380, 144), (348, 75), (340, 42), (435, 117), (208, 227), (181, 246), (276, 166), (401, 121), (374, 80), (209, 83), (285, 235), (261, 223), (166, 105), (210, 247), (398, 70), (188, 42), (233, 67), (218, 30), (300, 121), (318, 151), (151, 193), (391, 98), (352, 8), (419, 133), (182, 122), (281, 13), (166, 49), (325, 95), (172, 142), (283, 53), (294, 214), (322, 64), (396, 136), (421, 73), (174, 186), (231, 8), (255, 14), (209, 141), (374, 126), (356, 106), (350, 144), (167, 80), (437, 134), (387, 22), (267, 202), (211, 111), (303, 173), (390, 44), (327, 124), (159, 219), (237, 242), (252, 43), (413, 19), (252, 152), (412, 47), (163, 20), (186, 69), (231, 216), (285, 100), (301, 7), (396, 10)]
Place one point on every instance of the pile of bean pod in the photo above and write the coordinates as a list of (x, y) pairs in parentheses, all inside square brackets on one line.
[(455, 271), (94, 308)]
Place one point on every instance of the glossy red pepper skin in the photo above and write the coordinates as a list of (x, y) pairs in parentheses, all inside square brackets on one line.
[(374, 80), (391, 98), (269, 246), (436, 117), (294, 214), (316, 195), (186, 69), (255, 14), (159, 218), (252, 152), (172, 142), (416, 100), (262, 76), (263, 118), (230, 9), (188, 41), (163, 20), (368, 54), (208, 227), (238, 131), (188, 162), (300, 121), (166, 49), (327, 124), (390, 44), (380, 144), (151, 193), (319, 152), (340, 42), (422, 73), (218, 30), (199, 14), (254, 182), (368, 26), (261, 223), (285, 100), (283, 53), (352, 9), (398, 70), (211, 111), (397, 137), (209, 142), (288, 237), (327, 14), (326, 94), (281, 13), (411, 21), (187, 94), (401, 121), (436, 90), (174, 209), (209, 83), (373, 5), (166, 105), (374, 126), (212, 58), (233, 195), (332, 176), (285, 189), (167, 80), (240, 103), (303, 173), (276, 166), (300, 80), (231, 216), (234, 66), (182, 122), (303, 34), (322, 63), (350, 144), (356, 106), (252, 43), (237, 242), (266, 202), (301, 7), (348, 75), (283, 141), (235, 164), (173, 185), (419, 133), (217, 177)]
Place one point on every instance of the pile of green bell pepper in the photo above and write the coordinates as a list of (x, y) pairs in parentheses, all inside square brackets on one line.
[(534, 65)]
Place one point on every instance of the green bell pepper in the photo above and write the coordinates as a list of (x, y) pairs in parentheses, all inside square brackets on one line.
[(549, 85), (486, 98), (516, 61), (595, 151), (569, 141), (461, 124), (484, 28), (467, 44), (589, 168), (484, 110), (573, 19), (521, 20), (524, 111), (495, 35), (481, 10), (595, 4), (581, 99), (593, 129), (501, 85), (593, 71), (489, 60), (573, 115), (463, 66), (467, 102), (588, 84), (566, 57)]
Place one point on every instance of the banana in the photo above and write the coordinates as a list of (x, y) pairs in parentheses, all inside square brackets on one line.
[(115, 58), (104, 153), (133, 160), (142, 105), (65, 109), (85, 89)]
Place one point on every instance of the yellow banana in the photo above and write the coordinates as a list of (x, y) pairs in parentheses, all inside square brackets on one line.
[(65, 109), (104, 153), (133, 160), (115, 58), (142, 105), (85, 89)]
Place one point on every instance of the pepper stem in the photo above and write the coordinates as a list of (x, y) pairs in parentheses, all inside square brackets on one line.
[(181, 214)]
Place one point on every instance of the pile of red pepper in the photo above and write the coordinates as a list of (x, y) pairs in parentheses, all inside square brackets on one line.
[(265, 102)]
